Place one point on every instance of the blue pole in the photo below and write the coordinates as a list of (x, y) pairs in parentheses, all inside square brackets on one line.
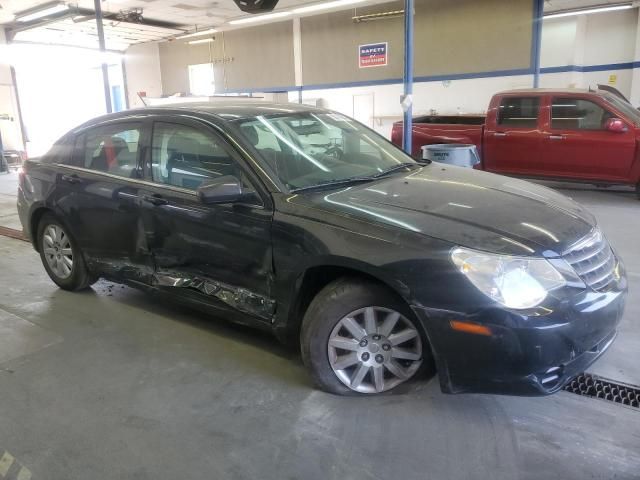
[(538, 11), (408, 76)]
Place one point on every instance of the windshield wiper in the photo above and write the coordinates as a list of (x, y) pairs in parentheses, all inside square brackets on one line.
[(352, 180), (333, 183), (395, 168)]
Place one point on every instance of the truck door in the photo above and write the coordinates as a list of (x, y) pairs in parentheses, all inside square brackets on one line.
[(512, 136), (578, 144)]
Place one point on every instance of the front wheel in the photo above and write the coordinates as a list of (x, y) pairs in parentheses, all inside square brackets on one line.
[(61, 256), (358, 338)]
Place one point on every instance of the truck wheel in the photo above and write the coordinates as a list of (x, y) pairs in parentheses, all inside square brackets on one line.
[(61, 256), (357, 338)]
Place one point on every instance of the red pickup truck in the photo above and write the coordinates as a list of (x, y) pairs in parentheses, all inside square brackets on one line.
[(568, 135)]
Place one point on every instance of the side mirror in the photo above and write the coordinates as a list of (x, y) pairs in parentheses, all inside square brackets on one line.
[(227, 189), (615, 125)]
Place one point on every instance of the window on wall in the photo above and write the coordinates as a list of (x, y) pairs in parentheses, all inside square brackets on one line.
[(201, 80), (519, 112), (577, 114)]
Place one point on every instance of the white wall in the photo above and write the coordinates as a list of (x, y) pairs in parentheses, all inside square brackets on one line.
[(142, 66), (9, 129), (610, 37)]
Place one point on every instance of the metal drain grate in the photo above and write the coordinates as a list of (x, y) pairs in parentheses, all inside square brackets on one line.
[(597, 387)]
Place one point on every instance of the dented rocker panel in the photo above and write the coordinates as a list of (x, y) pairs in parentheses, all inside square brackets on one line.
[(236, 297)]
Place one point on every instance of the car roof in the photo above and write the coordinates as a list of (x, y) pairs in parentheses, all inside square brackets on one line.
[(226, 109), (541, 91), (222, 109)]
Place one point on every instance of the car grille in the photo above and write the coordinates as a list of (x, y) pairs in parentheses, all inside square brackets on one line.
[(593, 261)]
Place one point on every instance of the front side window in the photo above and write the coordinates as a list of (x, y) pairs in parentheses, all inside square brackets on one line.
[(519, 112), (307, 149), (577, 114), (110, 148), (187, 157)]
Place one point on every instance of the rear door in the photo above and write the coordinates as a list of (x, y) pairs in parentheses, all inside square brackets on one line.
[(577, 145), (219, 253), (512, 136), (97, 193)]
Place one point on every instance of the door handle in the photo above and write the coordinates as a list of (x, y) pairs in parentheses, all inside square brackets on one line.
[(155, 199), (499, 134), (71, 178), (556, 137)]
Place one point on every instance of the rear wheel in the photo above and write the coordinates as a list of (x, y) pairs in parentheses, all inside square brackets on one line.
[(358, 338), (61, 256)]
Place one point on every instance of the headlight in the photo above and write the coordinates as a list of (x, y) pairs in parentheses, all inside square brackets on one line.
[(515, 282)]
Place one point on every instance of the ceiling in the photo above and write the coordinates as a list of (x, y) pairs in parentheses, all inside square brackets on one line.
[(184, 15), (184, 12)]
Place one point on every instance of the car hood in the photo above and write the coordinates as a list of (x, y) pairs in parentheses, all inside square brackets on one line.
[(467, 207)]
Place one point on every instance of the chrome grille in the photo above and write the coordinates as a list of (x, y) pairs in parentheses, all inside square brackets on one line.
[(593, 261)]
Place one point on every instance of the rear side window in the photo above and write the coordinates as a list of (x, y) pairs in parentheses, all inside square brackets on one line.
[(577, 114), (519, 112), (110, 148)]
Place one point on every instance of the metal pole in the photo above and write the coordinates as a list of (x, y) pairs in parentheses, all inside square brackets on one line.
[(538, 6), (103, 49), (407, 98)]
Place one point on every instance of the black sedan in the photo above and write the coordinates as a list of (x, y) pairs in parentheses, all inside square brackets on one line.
[(305, 223)]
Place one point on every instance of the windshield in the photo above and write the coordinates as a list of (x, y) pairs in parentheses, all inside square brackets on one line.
[(625, 107), (307, 149)]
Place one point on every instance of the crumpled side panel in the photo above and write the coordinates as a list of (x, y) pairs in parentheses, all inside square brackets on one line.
[(236, 297)]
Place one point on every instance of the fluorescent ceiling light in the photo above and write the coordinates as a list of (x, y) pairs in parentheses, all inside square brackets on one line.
[(197, 34), (41, 12), (588, 11), (204, 40), (260, 18), (323, 6)]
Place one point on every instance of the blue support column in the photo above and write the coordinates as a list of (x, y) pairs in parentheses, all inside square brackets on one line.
[(407, 99), (536, 40)]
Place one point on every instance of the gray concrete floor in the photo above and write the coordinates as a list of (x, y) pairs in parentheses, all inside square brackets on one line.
[(112, 383)]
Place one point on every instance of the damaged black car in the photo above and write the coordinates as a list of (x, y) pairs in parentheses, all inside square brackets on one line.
[(305, 223)]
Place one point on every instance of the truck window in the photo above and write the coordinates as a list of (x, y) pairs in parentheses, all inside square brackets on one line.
[(519, 112), (577, 114)]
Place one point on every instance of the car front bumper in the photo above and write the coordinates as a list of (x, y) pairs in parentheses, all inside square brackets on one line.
[(535, 354)]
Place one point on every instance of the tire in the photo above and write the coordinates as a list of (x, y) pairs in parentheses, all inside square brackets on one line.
[(61, 256), (638, 190), (366, 356)]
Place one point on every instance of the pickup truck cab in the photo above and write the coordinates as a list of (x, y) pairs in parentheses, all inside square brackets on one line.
[(568, 135)]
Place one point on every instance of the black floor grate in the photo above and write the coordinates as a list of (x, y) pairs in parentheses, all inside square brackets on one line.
[(597, 387)]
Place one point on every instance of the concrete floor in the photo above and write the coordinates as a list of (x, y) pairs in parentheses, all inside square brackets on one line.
[(112, 383)]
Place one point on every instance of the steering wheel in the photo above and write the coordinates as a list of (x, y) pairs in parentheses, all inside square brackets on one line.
[(334, 151)]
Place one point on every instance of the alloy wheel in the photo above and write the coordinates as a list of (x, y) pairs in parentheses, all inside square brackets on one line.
[(374, 349), (57, 251)]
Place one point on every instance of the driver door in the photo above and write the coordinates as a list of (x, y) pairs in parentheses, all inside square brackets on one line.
[(220, 253)]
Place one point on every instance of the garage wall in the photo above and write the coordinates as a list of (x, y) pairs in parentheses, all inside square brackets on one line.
[(239, 65), (451, 37), (10, 129), (142, 64), (578, 51)]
